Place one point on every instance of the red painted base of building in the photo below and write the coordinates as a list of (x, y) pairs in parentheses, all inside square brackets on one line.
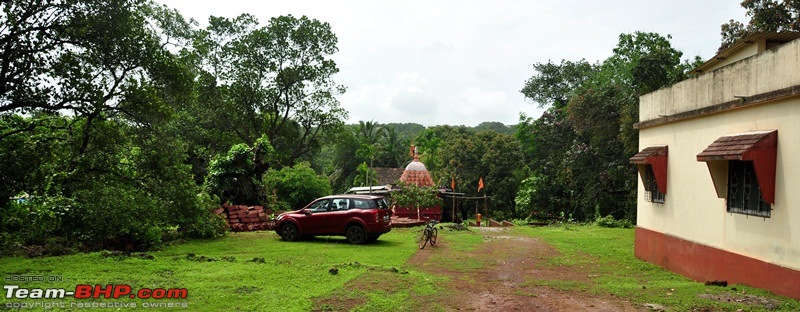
[(703, 263)]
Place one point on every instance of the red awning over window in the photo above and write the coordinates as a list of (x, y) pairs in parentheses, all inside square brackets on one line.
[(655, 156), (760, 147)]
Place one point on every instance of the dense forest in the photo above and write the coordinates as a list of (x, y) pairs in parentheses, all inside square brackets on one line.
[(122, 124)]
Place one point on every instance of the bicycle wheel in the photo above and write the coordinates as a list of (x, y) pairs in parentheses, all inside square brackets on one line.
[(423, 239), (434, 236)]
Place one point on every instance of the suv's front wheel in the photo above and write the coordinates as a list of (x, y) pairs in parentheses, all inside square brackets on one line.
[(289, 232), (355, 235)]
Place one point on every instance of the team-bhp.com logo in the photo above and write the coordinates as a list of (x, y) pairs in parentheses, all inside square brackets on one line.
[(97, 291)]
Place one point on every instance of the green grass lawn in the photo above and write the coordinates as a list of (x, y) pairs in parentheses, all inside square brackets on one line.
[(258, 272), (222, 274)]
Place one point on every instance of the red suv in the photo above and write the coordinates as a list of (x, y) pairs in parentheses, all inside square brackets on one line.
[(360, 218)]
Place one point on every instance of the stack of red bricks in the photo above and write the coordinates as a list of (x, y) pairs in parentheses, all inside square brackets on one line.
[(242, 218)]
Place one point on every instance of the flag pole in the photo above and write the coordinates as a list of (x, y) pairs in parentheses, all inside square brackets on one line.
[(453, 212), (482, 187)]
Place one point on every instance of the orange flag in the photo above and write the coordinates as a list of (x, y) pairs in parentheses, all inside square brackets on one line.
[(453, 184), (480, 184)]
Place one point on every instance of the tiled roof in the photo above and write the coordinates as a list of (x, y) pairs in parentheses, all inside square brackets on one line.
[(420, 178), (388, 176), (416, 172), (760, 147), (641, 157), (734, 146)]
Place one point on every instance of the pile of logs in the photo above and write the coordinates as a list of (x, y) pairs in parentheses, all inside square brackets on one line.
[(242, 218)]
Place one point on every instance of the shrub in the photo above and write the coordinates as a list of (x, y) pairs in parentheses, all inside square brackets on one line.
[(609, 222), (296, 186), (205, 224), (520, 222)]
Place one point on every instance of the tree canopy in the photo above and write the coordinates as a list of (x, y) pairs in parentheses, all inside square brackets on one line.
[(577, 150), (765, 16), (121, 121)]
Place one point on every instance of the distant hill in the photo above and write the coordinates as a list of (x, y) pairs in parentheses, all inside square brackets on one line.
[(409, 131), (496, 127)]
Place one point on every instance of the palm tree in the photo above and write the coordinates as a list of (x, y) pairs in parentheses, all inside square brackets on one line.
[(370, 135), (369, 132), (392, 153)]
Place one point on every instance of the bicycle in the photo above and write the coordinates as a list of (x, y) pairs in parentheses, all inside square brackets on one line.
[(429, 234)]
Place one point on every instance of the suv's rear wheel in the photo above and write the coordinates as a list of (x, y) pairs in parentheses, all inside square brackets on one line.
[(289, 232), (355, 235)]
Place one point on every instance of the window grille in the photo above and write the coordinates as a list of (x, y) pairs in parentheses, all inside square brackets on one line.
[(651, 193), (744, 195)]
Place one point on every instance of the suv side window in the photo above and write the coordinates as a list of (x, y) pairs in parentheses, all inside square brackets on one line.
[(362, 204), (320, 206), (340, 204)]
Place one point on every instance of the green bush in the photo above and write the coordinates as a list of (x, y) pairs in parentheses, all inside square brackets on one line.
[(296, 186), (205, 224), (520, 222), (33, 221), (116, 216), (235, 175), (609, 222)]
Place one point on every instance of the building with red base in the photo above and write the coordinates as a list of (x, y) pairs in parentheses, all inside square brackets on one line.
[(720, 168)]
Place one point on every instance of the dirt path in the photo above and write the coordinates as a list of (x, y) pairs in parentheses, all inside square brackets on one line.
[(512, 277), (506, 273)]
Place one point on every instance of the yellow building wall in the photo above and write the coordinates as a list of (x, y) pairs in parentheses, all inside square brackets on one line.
[(692, 210)]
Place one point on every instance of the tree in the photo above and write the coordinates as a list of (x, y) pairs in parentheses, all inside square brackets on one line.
[(765, 16), (235, 177), (365, 176), (366, 152), (392, 152), (276, 79), (95, 86), (554, 83), (466, 156), (86, 58), (432, 140), (545, 141), (295, 186), (369, 133), (253, 81), (502, 166), (344, 161), (578, 149), (411, 195)]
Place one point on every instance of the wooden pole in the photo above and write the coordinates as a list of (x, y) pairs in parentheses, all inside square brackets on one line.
[(476, 212), (485, 208), (453, 213)]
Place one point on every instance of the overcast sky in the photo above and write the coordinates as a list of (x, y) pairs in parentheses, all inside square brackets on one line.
[(463, 62)]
